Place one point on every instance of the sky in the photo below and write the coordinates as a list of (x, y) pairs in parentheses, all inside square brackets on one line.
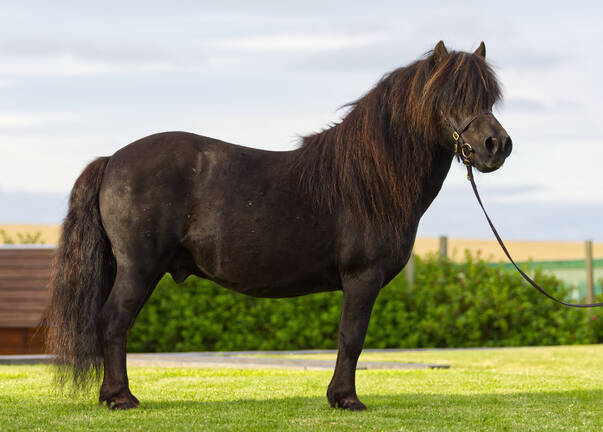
[(81, 79)]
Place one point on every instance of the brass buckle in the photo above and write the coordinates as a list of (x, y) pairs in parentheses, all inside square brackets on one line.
[(456, 137)]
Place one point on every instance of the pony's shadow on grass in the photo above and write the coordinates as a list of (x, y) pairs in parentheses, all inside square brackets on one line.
[(563, 410), (577, 399), (399, 412)]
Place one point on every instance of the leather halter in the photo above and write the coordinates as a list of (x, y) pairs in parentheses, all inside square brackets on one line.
[(464, 151)]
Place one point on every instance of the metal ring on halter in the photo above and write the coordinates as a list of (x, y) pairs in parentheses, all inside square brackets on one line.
[(466, 151)]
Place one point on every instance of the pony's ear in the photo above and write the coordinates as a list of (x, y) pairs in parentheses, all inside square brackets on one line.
[(440, 52), (481, 50)]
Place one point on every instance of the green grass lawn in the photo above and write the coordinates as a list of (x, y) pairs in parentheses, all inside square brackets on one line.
[(552, 388)]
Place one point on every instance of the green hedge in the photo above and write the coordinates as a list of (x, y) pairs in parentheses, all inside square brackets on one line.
[(450, 305)]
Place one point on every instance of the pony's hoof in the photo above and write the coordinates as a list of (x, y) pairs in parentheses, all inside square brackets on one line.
[(120, 401), (351, 403), (125, 404)]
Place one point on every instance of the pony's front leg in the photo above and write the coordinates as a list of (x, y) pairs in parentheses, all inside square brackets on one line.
[(128, 295), (359, 295)]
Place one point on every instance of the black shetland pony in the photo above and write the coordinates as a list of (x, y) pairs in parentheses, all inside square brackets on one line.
[(339, 213)]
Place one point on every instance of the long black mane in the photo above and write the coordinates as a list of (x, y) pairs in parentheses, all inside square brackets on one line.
[(375, 158)]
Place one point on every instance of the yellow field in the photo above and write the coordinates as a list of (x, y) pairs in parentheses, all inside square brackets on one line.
[(520, 250), (488, 249), (49, 233)]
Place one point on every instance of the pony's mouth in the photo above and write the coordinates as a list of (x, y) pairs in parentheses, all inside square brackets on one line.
[(488, 167)]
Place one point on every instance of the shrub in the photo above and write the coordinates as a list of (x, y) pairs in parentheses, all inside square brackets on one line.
[(450, 305)]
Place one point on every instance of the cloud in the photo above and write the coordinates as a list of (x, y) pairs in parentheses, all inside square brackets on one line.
[(377, 57), (27, 119), (303, 42), (39, 57), (32, 207), (524, 105), (497, 192), (258, 73), (457, 214), (64, 65)]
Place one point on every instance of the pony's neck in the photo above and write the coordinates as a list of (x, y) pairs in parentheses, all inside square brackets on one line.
[(434, 179), (365, 165)]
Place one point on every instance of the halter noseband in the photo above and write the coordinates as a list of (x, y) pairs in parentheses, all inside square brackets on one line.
[(461, 148)]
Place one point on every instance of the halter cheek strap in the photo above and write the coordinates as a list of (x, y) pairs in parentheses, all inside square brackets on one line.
[(461, 148)]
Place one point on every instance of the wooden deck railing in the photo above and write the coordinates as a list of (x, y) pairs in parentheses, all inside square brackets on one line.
[(24, 277)]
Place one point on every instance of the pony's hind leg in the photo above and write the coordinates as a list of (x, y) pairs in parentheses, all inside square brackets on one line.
[(131, 290)]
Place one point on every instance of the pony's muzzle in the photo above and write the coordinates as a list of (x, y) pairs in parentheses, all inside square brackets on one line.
[(499, 146)]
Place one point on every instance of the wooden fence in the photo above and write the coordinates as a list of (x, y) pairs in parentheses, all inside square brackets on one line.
[(24, 277), (585, 284)]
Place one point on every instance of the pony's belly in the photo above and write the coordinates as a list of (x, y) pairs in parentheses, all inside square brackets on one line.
[(278, 290), (269, 271)]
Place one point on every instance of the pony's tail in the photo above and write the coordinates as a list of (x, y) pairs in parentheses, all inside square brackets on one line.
[(82, 276)]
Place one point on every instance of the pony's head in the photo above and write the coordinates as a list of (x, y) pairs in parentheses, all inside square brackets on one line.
[(454, 92)]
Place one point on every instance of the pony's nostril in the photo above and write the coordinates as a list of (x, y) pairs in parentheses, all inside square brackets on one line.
[(508, 146), (491, 145)]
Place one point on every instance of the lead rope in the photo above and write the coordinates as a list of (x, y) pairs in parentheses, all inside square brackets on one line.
[(464, 151)]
